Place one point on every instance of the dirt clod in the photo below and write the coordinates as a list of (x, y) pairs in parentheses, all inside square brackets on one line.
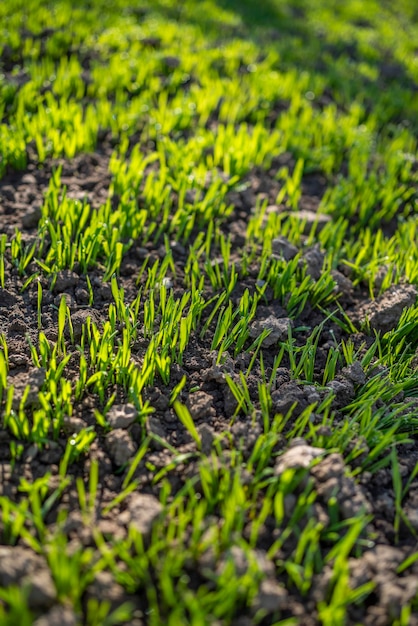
[(120, 446), (355, 373), (311, 219), (271, 597), (313, 259), (65, 280), (278, 327), (144, 509), (332, 481), (282, 248), (19, 566), (200, 405), (122, 415), (57, 616), (287, 396), (297, 457), (28, 385), (207, 437), (384, 312)]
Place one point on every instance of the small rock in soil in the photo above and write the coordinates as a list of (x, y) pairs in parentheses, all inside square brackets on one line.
[(57, 616), (178, 249), (310, 219), (313, 259), (239, 558), (122, 415), (287, 396), (157, 399), (217, 371), (31, 453), (144, 509), (384, 313), (29, 179), (66, 279), (34, 379), (331, 481), (344, 286), (207, 437), (246, 434), (282, 248), (74, 523), (7, 299), (271, 597), (52, 453), (105, 292), (297, 457), (355, 373), (20, 566), (120, 446), (81, 295), (311, 394), (282, 377), (343, 389), (31, 218), (278, 327), (230, 403), (200, 405), (79, 318), (42, 592), (380, 565), (154, 426), (171, 61), (73, 424), (69, 301), (105, 586)]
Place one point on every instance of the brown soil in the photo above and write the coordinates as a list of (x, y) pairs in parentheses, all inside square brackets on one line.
[(211, 407)]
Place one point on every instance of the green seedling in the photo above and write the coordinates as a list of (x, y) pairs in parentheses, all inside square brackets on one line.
[(3, 243), (186, 419), (39, 305)]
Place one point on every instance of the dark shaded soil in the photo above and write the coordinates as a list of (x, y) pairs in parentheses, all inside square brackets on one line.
[(212, 408)]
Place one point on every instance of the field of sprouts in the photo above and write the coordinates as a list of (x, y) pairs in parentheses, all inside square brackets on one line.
[(208, 313)]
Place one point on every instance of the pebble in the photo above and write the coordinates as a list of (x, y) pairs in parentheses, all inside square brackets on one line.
[(144, 510), (384, 313), (66, 279), (282, 248), (200, 405), (297, 457), (121, 415), (313, 259), (20, 566), (120, 445), (58, 616), (310, 219), (278, 327)]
